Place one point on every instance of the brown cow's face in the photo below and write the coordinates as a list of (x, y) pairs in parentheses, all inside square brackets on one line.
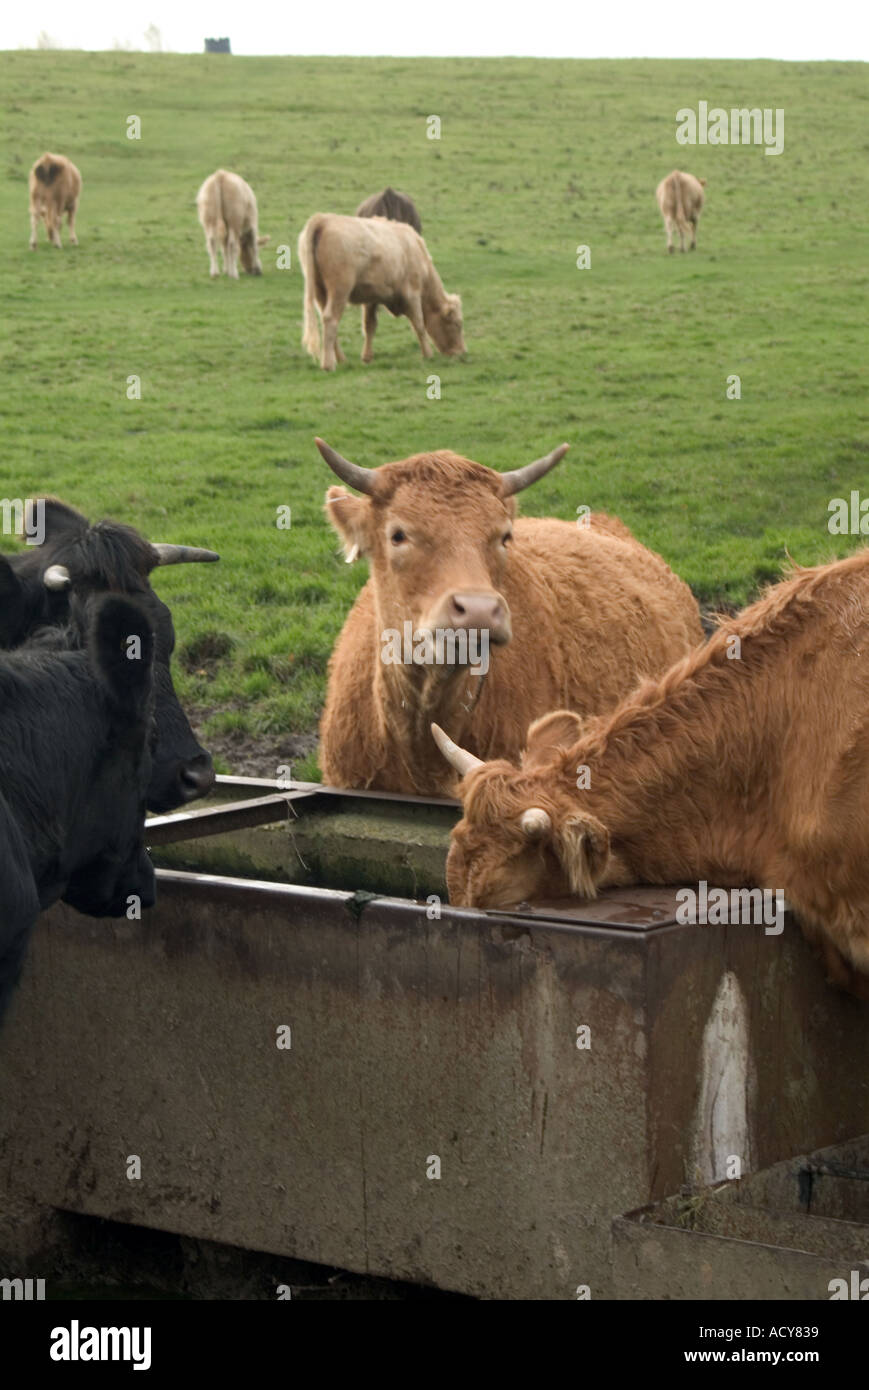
[(446, 327), (524, 836), (438, 535), (504, 853), (496, 866)]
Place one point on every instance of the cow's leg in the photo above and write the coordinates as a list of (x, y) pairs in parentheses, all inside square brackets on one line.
[(693, 233), (414, 313), (668, 223), (332, 311), (230, 255), (34, 227), (54, 217), (369, 327), (211, 244), (70, 218)]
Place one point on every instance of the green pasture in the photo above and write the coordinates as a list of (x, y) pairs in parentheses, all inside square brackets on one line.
[(628, 360)]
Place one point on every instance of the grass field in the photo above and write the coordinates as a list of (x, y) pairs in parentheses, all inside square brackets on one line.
[(628, 360)]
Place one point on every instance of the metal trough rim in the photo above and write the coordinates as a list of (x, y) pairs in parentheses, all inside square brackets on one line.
[(277, 803), (587, 919)]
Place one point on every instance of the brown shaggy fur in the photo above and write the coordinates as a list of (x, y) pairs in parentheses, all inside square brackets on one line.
[(592, 612), (398, 207), (743, 771), (372, 261), (55, 188)]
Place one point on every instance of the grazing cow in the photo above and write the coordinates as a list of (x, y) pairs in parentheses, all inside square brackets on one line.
[(573, 614), (680, 198), (78, 559), (372, 261), (228, 213), (74, 768), (55, 188), (745, 764), (397, 207)]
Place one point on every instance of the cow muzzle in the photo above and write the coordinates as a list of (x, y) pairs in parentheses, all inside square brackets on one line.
[(479, 611)]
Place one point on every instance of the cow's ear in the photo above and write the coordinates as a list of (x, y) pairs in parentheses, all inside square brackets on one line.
[(121, 647), (554, 733), (582, 844), (59, 520), (10, 587), (351, 518)]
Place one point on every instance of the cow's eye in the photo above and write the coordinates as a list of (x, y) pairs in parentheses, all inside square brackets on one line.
[(507, 538), (398, 537)]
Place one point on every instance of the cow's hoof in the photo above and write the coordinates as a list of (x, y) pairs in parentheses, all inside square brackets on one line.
[(73, 241), (33, 245), (671, 249), (367, 357)]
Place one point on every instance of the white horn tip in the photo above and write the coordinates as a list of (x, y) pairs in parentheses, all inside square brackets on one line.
[(535, 822), (458, 758), (56, 577)]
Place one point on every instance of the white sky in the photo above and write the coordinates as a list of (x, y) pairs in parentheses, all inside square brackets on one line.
[(789, 29)]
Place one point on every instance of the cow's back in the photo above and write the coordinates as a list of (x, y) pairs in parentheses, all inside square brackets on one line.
[(226, 197), (679, 191), (55, 179), (350, 250), (595, 609)]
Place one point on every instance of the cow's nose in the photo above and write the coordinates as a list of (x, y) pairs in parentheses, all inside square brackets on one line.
[(196, 777), (485, 612)]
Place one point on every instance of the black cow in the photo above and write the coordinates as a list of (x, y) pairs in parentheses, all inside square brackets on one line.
[(77, 558), (75, 762), (398, 207)]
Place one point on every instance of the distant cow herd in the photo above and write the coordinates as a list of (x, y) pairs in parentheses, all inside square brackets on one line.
[(605, 742), (376, 258)]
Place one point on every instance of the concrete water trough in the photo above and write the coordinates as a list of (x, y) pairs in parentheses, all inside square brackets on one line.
[(797, 1230), (311, 1054)]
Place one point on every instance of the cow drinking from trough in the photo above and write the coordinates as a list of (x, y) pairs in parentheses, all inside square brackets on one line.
[(570, 613), (74, 771), (746, 764), (228, 213), (372, 261), (77, 559), (55, 188), (680, 198)]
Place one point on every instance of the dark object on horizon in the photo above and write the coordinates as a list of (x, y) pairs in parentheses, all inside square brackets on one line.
[(217, 46), (396, 206)]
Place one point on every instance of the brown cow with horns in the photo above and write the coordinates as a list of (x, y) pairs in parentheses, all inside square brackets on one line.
[(573, 613), (746, 764)]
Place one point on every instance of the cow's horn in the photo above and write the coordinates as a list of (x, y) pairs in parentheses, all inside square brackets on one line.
[(521, 478), (182, 554), (56, 577), (360, 478), (459, 758), (535, 822)]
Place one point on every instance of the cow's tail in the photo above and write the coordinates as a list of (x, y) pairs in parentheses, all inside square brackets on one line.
[(681, 220), (307, 260)]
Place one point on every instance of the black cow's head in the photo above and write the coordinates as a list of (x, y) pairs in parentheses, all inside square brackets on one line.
[(77, 560)]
